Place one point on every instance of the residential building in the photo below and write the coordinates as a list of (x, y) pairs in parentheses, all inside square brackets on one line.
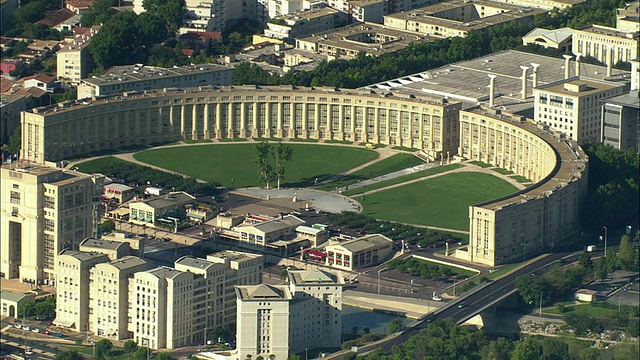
[(160, 210), (61, 20), (621, 121), (291, 26), (72, 293), (44, 211), (263, 321), (78, 6), (73, 59), (281, 320), (530, 221), (136, 242), (160, 308), (121, 193), (41, 81), (545, 4), (113, 249), (458, 17), (628, 19), (572, 106), (365, 251), (139, 77), (560, 39), (10, 108), (109, 296), (608, 45)]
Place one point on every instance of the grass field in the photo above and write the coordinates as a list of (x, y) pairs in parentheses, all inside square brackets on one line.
[(502, 171), (481, 164), (391, 164), (520, 179), (95, 166), (443, 201), (401, 179), (581, 309), (234, 165)]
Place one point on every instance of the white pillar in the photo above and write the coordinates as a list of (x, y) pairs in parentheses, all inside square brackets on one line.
[(635, 74), (535, 74), (492, 89), (524, 82), (609, 61), (567, 69), (578, 56)]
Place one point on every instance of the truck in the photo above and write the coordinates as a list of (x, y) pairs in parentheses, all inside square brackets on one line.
[(591, 248)]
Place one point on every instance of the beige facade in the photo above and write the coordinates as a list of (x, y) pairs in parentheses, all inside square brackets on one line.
[(608, 45), (60, 132), (281, 320), (109, 296), (545, 4), (537, 218), (139, 77), (73, 60), (458, 17), (270, 231), (113, 249), (364, 251), (628, 19), (572, 106), (303, 23), (72, 293), (44, 210), (158, 209)]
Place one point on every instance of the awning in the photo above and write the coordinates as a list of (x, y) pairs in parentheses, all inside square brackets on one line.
[(315, 254), (64, 322)]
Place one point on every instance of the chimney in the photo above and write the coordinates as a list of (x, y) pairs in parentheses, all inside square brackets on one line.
[(567, 69), (535, 74), (635, 75), (609, 61), (524, 82), (492, 89), (578, 56)]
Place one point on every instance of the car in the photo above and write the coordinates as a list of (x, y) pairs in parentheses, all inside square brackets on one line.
[(18, 325), (28, 352), (45, 332), (436, 298), (28, 328), (35, 330), (57, 334), (430, 318), (462, 305)]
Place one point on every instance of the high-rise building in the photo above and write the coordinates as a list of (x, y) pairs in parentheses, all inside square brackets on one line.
[(280, 320), (44, 211), (72, 295), (109, 296)]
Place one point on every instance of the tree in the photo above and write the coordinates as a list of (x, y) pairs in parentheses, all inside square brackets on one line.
[(130, 346), (601, 270), (500, 349), (530, 287), (395, 325), (106, 226), (98, 13), (627, 254), (585, 260), (263, 149), (115, 43), (29, 13), (168, 10), (142, 353), (529, 349), (151, 29), (103, 347), (69, 355), (283, 274), (554, 349), (163, 355), (294, 357), (14, 141), (282, 154)]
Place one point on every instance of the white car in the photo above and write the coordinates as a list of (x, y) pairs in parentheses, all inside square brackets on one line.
[(35, 330), (436, 298)]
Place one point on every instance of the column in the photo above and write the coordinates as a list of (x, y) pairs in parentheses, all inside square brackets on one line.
[(230, 124), (194, 121), (279, 132), (316, 122), (207, 131), (292, 120), (218, 121), (376, 125), (254, 124), (340, 123), (523, 92), (243, 120), (182, 120), (267, 119), (305, 133)]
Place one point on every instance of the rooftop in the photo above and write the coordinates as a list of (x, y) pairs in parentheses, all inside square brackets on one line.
[(119, 187), (137, 72), (278, 224), (127, 262), (608, 31), (578, 86), (194, 262), (82, 255), (467, 81), (57, 17), (101, 244), (628, 99), (164, 272), (555, 35), (316, 276), (172, 199), (263, 292), (13, 296), (231, 255), (365, 242)]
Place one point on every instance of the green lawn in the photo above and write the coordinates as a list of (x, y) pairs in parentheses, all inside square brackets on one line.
[(581, 309), (481, 164), (391, 164), (502, 171), (403, 148), (401, 179), (520, 179), (96, 166), (443, 201), (234, 165)]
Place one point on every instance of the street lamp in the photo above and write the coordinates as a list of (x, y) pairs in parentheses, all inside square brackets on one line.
[(306, 354), (379, 271), (541, 304), (605, 240)]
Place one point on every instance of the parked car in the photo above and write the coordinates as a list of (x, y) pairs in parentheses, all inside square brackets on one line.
[(35, 330), (45, 332), (436, 298), (28, 352), (57, 334), (27, 327), (18, 325)]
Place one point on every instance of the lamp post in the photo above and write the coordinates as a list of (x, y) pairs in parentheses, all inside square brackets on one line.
[(204, 336), (605, 240), (379, 271), (541, 304), (306, 354)]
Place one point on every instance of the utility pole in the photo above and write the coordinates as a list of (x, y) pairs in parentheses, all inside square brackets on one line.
[(540, 304)]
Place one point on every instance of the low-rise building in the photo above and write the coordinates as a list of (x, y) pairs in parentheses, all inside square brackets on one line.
[(361, 252), (270, 231), (121, 193), (138, 77), (560, 39), (628, 18), (11, 301), (136, 242), (606, 44), (159, 209)]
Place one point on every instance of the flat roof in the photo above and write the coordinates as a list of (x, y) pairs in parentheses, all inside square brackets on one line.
[(139, 72), (120, 187), (365, 242), (164, 272), (231, 255), (468, 81), (571, 161), (82, 255), (609, 31), (629, 99), (101, 244), (277, 224), (127, 262), (171, 199), (194, 262), (590, 86), (263, 292), (315, 276)]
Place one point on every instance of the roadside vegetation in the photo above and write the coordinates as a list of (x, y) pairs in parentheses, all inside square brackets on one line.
[(428, 269)]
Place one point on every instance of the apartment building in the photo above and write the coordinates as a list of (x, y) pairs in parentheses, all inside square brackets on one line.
[(573, 106), (73, 60), (289, 27), (621, 121), (174, 307), (73, 288), (113, 249), (281, 320), (109, 296), (44, 211), (608, 45), (138, 77)]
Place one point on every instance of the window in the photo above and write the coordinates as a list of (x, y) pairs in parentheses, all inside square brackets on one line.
[(15, 197)]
